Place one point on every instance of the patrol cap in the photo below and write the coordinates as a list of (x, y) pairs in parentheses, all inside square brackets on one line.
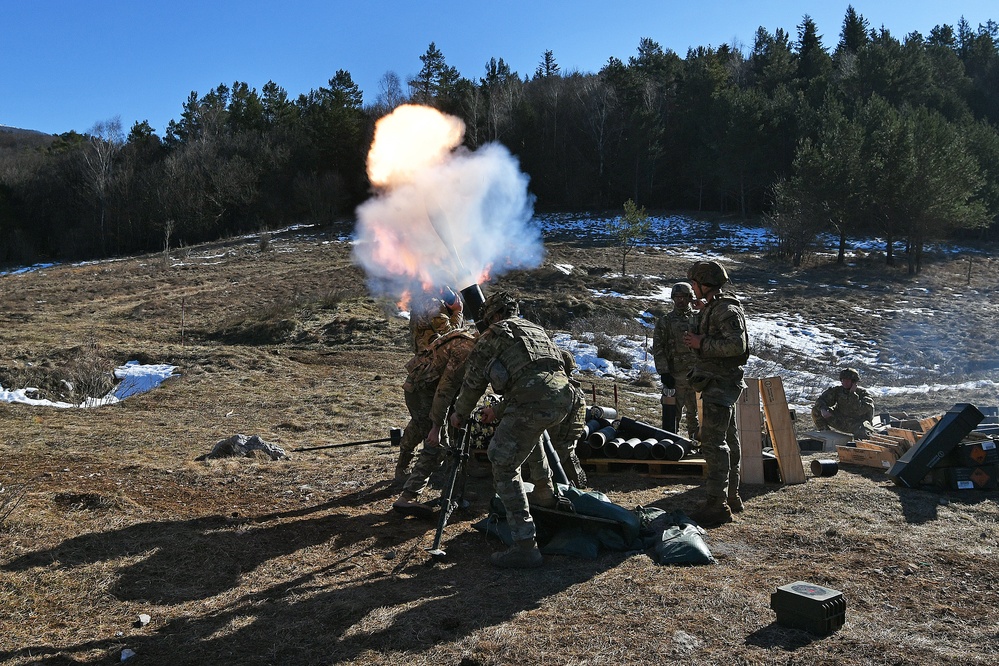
[(709, 273), (501, 303), (682, 288), (849, 373)]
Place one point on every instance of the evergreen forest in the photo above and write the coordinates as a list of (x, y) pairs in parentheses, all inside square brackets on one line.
[(873, 134)]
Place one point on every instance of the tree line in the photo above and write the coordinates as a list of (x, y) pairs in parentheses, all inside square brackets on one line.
[(875, 135)]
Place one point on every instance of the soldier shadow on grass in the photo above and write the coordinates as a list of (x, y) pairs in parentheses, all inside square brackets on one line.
[(414, 607), (198, 558)]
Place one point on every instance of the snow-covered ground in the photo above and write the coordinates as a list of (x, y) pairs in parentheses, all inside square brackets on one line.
[(134, 378)]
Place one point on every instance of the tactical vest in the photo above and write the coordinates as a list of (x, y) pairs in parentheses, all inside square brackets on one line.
[(705, 327), (531, 351)]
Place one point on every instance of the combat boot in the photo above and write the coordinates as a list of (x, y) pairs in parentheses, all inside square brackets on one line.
[(712, 513), (543, 496), (402, 467), (522, 554), (408, 504), (735, 502)]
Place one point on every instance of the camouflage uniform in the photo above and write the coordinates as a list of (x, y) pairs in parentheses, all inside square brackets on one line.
[(522, 363), (565, 435), (429, 320), (852, 411), (718, 376), (449, 352), (674, 358)]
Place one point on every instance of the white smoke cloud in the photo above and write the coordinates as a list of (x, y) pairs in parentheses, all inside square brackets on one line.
[(459, 217)]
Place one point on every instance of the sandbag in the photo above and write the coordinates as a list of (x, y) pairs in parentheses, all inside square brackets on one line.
[(682, 544)]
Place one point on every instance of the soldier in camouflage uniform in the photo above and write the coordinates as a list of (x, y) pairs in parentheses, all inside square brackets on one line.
[(443, 378), (675, 359), (721, 343), (522, 364), (846, 408), (563, 437), (431, 317)]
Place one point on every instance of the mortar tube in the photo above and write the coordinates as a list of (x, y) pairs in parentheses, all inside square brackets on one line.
[(472, 299)]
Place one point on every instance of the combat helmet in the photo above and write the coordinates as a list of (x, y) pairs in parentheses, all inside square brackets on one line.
[(501, 303), (849, 373), (682, 288), (709, 273)]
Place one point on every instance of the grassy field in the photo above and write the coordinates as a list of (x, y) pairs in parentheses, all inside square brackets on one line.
[(301, 561)]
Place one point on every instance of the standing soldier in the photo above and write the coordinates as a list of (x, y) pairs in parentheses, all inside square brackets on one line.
[(443, 380), (846, 408), (522, 363), (675, 359), (721, 343), (431, 317), (563, 438)]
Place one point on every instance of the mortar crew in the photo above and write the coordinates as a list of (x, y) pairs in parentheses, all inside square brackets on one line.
[(675, 359), (522, 364), (431, 317), (721, 344), (563, 437), (847, 407), (440, 385)]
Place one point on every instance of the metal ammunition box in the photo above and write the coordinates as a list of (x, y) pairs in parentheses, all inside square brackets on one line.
[(813, 608)]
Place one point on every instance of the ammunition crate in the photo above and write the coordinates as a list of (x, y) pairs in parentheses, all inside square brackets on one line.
[(975, 454), (813, 608), (983, 477), (882, 458)]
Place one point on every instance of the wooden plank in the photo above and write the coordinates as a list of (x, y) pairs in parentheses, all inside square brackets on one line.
[(927, 424), (749, 421), (880, 446), (910, 436), (781, 430)]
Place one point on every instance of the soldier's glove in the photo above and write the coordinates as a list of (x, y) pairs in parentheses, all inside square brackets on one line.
[(669, 381)]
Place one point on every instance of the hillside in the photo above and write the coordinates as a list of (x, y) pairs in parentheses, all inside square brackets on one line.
[(301, 561)]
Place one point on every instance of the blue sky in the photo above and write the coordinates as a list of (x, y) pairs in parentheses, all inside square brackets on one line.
[(67, 64)]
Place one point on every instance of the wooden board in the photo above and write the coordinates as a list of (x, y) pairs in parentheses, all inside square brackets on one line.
[(880, 446), (910, 436), (880, 458), (749, 421), (781, 430)]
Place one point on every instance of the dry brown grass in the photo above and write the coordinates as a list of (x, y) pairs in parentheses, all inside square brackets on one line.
[(253, 561)]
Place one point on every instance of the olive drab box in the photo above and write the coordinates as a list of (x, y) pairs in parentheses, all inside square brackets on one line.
[(814, 608)]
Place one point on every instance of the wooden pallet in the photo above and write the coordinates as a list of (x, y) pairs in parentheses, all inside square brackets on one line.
[(662, 469)]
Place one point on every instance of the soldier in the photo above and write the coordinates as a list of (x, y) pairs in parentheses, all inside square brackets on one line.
[(431, 317), (443, 380), (846, 408), (563, 437), (522, 364), (721, 343), (675, 359)]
